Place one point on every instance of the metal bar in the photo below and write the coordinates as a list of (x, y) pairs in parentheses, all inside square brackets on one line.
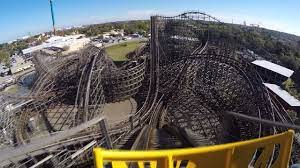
[(131, 122), (263, 121), (52, 16)]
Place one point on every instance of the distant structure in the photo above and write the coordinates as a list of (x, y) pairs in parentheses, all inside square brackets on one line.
[(52, 16), (254, 25), (112, 33), (65, 43), (19, 64)]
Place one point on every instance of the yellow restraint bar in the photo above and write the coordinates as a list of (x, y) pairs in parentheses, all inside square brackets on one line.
[(253, 153)]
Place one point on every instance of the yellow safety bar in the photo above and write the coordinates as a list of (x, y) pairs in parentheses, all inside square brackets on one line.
[(252, 153)]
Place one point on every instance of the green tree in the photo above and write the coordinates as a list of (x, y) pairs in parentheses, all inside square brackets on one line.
[(5, 57), (290, 86)]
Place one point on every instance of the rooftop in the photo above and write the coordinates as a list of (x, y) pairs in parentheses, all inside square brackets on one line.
[(274, 67), (57, 41), (291, 100)]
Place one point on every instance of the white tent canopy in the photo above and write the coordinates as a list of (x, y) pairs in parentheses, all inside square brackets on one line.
[(274, 67), (291, 100)]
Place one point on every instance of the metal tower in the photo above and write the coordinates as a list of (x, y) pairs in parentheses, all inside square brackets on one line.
[(52, 16)]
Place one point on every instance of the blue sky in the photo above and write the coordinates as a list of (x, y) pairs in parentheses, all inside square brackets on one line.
[(23, 17)]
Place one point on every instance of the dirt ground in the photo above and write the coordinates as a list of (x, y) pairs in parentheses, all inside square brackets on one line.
[(115, 112)]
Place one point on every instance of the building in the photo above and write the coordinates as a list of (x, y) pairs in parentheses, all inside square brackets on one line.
[(6, 81), (68, 43), (19, 64), (97, 44), (25, 37), (52, 50), (3, 70), (117, 33), (112, 33), (272, 73), (135, 35)]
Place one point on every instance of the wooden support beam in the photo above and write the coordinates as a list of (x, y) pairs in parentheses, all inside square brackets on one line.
[(103, 127)]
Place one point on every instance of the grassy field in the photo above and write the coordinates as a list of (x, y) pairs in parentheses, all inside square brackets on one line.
[(12, 89), (118, 52)]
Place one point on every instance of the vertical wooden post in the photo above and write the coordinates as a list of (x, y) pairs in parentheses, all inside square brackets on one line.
[(131, 122), (103, 127), (7, 137)]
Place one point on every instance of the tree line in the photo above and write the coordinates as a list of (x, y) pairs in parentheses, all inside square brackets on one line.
[(281, 48), (129, 27)]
